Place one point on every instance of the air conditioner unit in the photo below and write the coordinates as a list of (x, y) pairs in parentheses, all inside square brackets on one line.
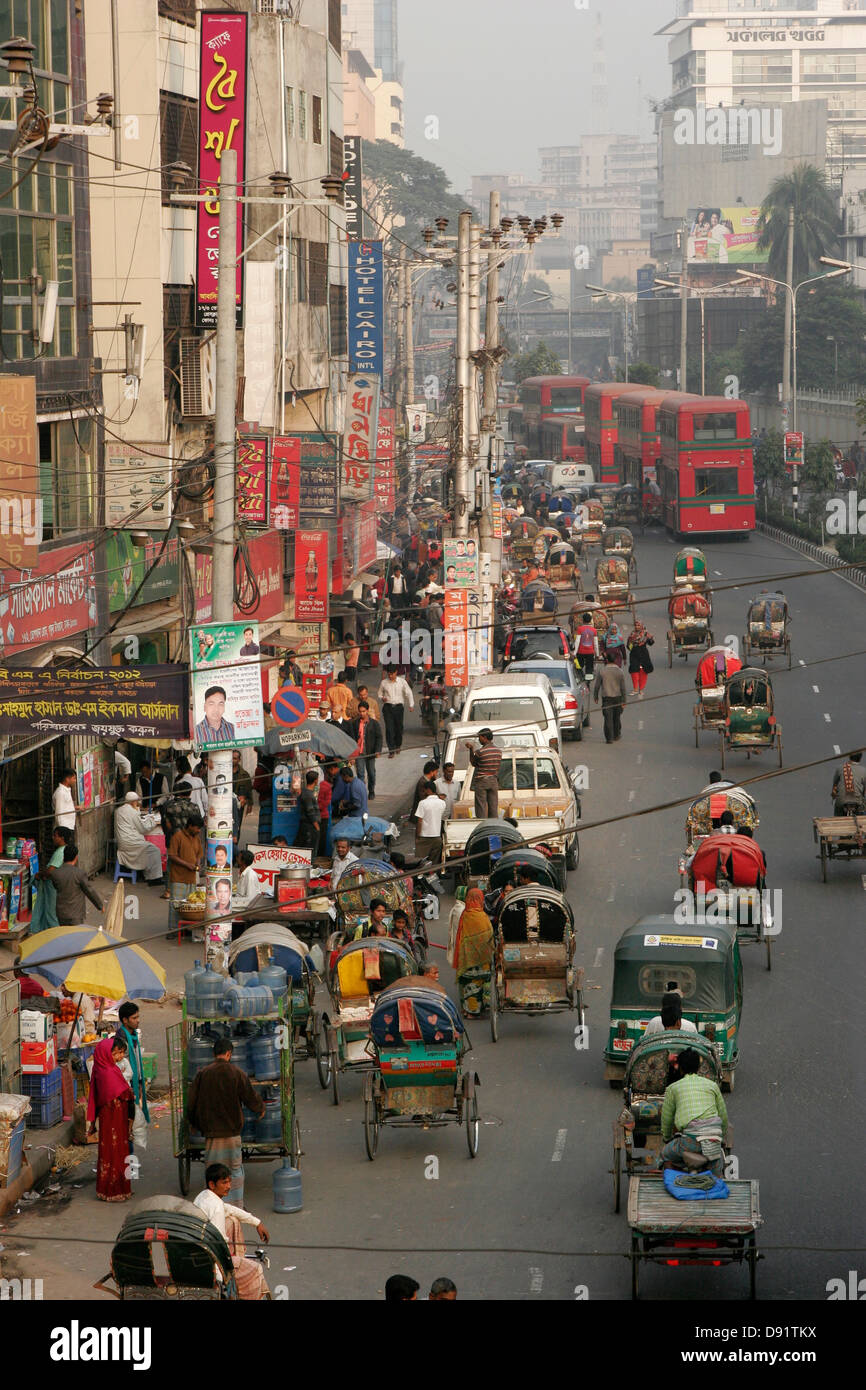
[(197, 376)]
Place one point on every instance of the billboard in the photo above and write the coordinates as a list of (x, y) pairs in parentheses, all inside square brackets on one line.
[(226, 686), (285, 484), (725, 236), (147, 702), (20, 503), (138, 485), (137, 574), (384, 482), (56, 601), (366, 308), (266, 559), (311, 576), (353, 187), (252, 480), (222, 126), (461, 563), (360, 438)]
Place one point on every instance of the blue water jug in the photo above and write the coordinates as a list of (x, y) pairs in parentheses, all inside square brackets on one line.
[(248, 978), (250, 1128), (274, 976), (240, 1002), (190, 980), (209, 993), (241, 1053), (265, 1057), (199, 1053), (287, 1188), (269, 1129)]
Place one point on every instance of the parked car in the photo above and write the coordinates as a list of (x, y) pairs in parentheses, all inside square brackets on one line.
[(570, 691), (515, 700), (523, 643)]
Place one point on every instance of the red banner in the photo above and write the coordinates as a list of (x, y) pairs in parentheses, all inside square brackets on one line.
[(311, 576), (366, 536), (383, 481), (252, 480), (222, 126), (57, 601), (285, 483), (455, 622), (266, 558)]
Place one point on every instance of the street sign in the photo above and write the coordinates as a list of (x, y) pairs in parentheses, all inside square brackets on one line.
[(794, 449), (289, 706)]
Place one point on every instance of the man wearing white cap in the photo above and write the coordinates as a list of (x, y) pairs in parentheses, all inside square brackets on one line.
[(134, 850)]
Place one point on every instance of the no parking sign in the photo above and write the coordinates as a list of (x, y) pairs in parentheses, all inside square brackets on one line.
[(289, 706)]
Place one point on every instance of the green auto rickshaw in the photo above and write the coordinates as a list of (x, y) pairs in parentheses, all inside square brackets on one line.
[(658, 954)]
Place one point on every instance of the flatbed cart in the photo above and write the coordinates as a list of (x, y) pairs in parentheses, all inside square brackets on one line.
[(188, 1147), (667, 1231), (839, 837)]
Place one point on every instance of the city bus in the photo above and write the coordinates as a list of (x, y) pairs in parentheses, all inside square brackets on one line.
[(562, 439), (705, 472), (601, 427), (543, 396), (638, 443)]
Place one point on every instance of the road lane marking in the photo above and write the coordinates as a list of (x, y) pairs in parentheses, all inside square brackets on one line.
[(600, 954), (631, 795), (612, 894), (827, 719), (559, 1146), (837, 750), (801, 661), (640, 724), (718, 573), (640, 758), (536, 1280), (816, 689)]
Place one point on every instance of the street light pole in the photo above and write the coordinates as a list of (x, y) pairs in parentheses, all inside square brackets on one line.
[(789, 331), (684, 309), (461, 470)]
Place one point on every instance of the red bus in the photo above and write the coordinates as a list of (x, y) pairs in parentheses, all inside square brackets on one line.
[(562, 439), (601, 427), (543, 396), (706, 473), (638, 443)]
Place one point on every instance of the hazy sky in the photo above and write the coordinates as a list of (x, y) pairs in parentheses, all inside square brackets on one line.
[(506, 76)]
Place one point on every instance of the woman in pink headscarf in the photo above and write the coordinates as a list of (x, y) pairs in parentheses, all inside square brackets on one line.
[(110, 1103)]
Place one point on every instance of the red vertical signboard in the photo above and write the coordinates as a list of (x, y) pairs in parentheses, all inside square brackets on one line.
[(285, 483), (311, 576), (222, 126), (455, 622), (383, 481), (252, 480)]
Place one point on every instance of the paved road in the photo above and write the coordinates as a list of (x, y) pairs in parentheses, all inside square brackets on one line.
[(531, 1217)]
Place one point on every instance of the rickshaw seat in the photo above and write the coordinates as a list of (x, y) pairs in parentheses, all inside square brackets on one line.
[(351, 975)]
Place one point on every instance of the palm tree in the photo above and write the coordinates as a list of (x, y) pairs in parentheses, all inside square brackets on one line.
[(816, 221)]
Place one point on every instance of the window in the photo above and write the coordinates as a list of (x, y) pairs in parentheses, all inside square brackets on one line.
[(66, 477), (317, 120), (337, 156), (504, 709), (290, 112), (301, 253), (339, 325), (36, 230), (653, 980), (181, 10), (302, 115), (716, 425), (565, 397), (319, 273), (716, 482), (335, 24), (841, 66), (178, 136)]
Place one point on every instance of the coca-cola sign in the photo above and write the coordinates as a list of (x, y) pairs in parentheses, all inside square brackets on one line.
[(311, 576)]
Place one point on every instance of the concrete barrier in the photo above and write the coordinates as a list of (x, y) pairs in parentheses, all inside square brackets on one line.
[(855, 574)]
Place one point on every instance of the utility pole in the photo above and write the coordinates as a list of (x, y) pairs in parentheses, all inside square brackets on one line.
[(474, 347), (789, 319), (223, 610), (409, 336), (684, 310), (491, 326), (400, 373), (461, 463)]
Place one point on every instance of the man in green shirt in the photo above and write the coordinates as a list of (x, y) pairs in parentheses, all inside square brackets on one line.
[(694, 1118)]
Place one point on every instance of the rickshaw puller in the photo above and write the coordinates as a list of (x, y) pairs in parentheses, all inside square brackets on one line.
[(694, 1117)]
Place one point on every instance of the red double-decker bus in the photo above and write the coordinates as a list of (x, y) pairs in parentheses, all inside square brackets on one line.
[(601, 427), (638, 442), (544, 396), (562, 439), (706, 472)]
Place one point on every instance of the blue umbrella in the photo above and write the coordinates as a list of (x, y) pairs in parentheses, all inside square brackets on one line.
[(74, 956)]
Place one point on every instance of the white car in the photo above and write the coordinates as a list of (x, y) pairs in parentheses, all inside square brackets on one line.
[(516, 700)]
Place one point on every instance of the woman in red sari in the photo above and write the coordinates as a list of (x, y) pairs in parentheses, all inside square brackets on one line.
[(109, 1102)]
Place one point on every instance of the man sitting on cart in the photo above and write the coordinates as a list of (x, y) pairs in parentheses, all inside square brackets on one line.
[(694, 1117), (849, 788), (249, 1274)]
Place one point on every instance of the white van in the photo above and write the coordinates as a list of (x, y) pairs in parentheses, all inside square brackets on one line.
[(563, 476), (516, 700)]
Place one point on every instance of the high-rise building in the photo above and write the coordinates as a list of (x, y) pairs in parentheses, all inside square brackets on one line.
[(730, 53), (370, 41)]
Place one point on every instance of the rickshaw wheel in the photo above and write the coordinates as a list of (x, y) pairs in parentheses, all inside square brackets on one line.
[(788, 650), (617, 1177), (295, 1154), (183, 1167), (472, 1123), (494, 1009), (769, 955), (752, 1257), (670, 652), (335, 1078), (572, 854), (371, 1125), (323, 1060)]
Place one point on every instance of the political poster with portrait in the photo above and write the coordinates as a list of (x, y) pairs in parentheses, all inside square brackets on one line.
[(226, 685), (461, 562)]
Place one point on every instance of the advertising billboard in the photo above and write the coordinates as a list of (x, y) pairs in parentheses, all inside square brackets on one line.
[(222, 126), (366, 308), (725, 236)]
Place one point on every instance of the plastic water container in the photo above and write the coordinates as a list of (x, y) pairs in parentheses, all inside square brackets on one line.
[(287, 1188), (247, 979), (240, 1002), (241, 1053), (199, 1053), (269, 1129), (276, 979), (190, 980), (250, 1127), (265, 1057), (209, 993)]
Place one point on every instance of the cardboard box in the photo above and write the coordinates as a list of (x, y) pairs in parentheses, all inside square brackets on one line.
[(36, 1026), (38, 1056)]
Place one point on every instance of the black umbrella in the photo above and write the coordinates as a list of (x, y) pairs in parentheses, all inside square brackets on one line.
[(314, 736)]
